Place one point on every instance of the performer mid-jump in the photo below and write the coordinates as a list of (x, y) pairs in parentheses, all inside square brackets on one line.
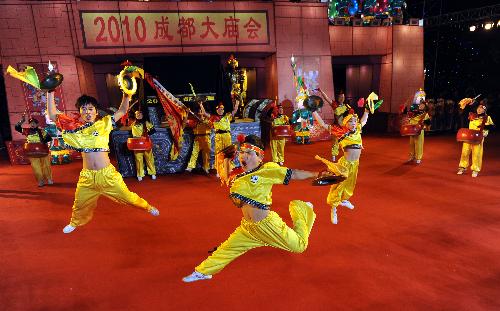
[(251, 191), (98, 177)]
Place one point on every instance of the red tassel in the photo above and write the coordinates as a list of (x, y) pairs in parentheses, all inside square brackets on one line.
[(241, 138)]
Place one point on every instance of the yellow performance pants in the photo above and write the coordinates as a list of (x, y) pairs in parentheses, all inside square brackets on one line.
[(271, 231), (94, 183), (41, 168), (139, 162), (201, 144), (477, 156), (278, 150), (344, 190), (222, 141), (417, 146)]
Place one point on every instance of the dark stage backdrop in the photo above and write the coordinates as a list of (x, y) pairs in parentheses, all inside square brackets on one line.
[(205, 73)]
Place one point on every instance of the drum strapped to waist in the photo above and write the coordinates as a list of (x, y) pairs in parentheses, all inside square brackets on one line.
[(36, 150), (142, 143), (411, 129), (469, 136), (282, 131)]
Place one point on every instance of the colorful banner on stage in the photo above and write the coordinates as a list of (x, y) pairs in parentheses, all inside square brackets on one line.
[(35, 99), (111, 29)]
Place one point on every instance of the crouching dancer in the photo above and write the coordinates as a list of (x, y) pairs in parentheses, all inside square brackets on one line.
[(251, 186), (90, 136)]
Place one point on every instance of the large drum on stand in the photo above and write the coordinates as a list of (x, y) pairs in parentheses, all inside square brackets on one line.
[(469, 136), (282, 131), (410, 129), (142, 143), (36, 150)]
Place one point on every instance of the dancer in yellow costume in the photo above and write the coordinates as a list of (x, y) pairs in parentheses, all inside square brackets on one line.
[(477, 121), (418, 116), (98, 177), (222, 126), (201, 144), (278, 144), (138, 127), (251, 191), (41, 166), (339, 110), (349, 138)]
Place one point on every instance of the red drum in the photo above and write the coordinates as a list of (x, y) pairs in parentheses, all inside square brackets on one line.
[(410, 129), (469, 136), (282, 131), (139, 143), (36, 150)]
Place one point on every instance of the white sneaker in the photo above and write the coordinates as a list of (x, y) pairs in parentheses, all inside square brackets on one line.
[(139, 178), (69, 229), (196, 276), (461, 171), (475, 173), (334, 216), (41, 183), (154, 211), (153, 177), (418, 161), (50, 182), (189, 170), (347, 204)]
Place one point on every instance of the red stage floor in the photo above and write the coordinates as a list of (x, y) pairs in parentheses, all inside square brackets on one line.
[(420, 238)]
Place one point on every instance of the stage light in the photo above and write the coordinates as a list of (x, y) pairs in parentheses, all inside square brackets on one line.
[(488, 26), (472, 28)]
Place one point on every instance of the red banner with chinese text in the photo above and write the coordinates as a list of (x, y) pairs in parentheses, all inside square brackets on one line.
[(110, 29)]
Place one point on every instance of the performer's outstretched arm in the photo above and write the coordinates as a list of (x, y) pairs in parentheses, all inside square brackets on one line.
[(122, 110), (364, 118), (235, 108), (300, 174), (51, 107), (320, 120)]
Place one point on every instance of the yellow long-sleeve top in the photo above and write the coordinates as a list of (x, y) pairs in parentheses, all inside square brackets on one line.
[(353, 138), (86, 137), (138, 127), (33, 135), (255, 187), (222, 124), (281, 120), (477, 121)]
